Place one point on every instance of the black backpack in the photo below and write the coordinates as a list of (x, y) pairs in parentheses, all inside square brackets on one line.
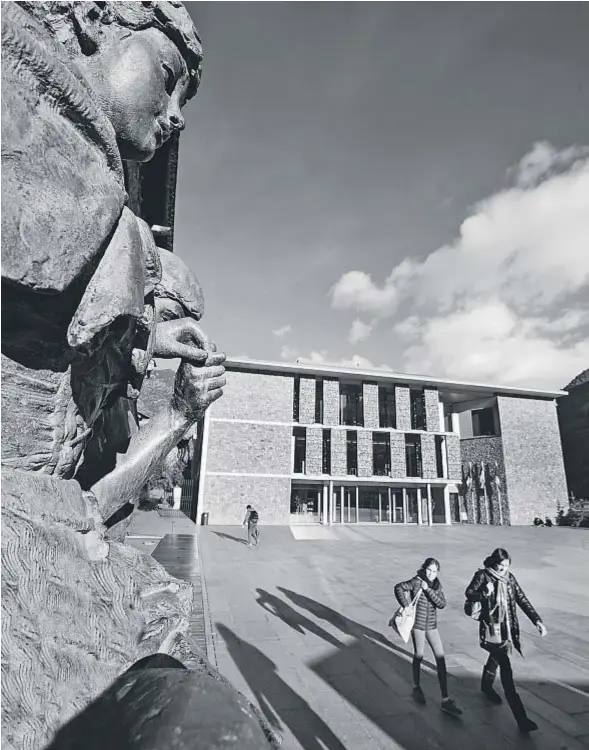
[(253, 515)]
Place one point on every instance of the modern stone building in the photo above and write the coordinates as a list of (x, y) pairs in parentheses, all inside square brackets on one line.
[(573, 413), (316, 444)]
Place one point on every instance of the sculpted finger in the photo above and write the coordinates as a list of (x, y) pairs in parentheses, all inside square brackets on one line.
[(214, 395), (213, 372), (190, 353), (193, 333), (216, 359), (214, 383)]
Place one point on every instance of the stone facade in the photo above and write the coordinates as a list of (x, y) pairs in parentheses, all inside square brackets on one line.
[(255, 396), (398, 461), (454, 458), (314, 457), (330, 402), (403, 408), (339, 462), (249, 448), (495, 509), (225, 498), (428, 457), (432, 410), (534, 466), (370, 398), (573, 418), (307, 401), (365, 453)]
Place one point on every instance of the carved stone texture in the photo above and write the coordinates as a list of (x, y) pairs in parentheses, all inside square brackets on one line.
[(370, 402)]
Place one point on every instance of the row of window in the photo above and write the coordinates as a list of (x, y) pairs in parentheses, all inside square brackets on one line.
[(351, 405), (381, 453)]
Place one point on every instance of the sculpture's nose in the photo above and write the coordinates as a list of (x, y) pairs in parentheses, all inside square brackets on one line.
[(177, 121)]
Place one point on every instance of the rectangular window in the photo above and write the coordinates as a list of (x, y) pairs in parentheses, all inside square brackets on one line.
[(352, 452), (387, 413), (296, 399), (448, 427), (319, 401), (300, 449), (381, 454), (351, 405), (417, 409), (413, 455), (483, 422), (327, 451), (440, 462)]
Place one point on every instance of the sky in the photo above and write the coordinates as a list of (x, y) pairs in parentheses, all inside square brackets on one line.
[(399, 185)]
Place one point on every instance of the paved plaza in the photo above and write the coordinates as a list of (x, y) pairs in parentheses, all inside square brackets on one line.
[(300, 626)]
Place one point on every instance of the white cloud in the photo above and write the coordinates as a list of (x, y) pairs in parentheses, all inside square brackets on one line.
[(281, 332), (506, 300), (360, 331), (287, 352)]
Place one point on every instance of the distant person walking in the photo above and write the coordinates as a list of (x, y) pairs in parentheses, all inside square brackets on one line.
[(427, 587), (251, 519), (495, 590)]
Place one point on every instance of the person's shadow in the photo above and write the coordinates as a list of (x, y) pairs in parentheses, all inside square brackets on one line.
[(294, 619), (238, 539), (278, 701)]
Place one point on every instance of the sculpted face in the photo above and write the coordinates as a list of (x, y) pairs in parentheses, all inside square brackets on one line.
[(141, 81)]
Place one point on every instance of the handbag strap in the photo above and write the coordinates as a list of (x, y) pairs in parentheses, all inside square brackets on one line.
[(416, 597)]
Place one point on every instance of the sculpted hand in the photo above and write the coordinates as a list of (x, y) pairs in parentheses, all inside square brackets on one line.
[(182, 338), (196, 388), (541, 628)]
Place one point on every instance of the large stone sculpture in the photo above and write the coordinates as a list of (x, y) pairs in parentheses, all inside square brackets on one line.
[(86, 86)]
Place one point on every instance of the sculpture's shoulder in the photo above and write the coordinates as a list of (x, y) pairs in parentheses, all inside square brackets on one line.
[(63, 186)]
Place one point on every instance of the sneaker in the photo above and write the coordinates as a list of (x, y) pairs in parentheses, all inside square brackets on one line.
[(418, 695), (492, 695), (527, 725), (449, 707)]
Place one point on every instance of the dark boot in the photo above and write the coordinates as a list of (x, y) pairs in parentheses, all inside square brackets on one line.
[(524, 724), (487, 685)]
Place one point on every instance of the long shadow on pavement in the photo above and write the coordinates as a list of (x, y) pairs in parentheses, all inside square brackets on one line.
[(277, 700), (222, 535), (375, 676), (294, 619)]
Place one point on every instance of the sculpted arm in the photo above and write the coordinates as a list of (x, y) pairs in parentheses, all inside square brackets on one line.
[(195, 389)]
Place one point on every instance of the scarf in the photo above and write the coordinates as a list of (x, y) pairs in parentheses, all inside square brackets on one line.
[(499, 605)]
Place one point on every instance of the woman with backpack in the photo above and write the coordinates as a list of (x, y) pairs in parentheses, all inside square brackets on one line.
[(492, 598), (426, 589)]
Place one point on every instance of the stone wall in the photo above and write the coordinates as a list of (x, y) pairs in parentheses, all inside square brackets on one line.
[(454, 458), (432, 410), (225, 499), (306, 400), (532, 450), (330, 402), (314, 458), (339, 463), (403, 408), (428, 456), (488, 450), (573, 418), (398, 461), (370, 398), (365, 453), (249, 448), (255, 396)]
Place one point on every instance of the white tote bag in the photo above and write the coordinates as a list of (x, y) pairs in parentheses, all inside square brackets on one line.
[(403, 620)]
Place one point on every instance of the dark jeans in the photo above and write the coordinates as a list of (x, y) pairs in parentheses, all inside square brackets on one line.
[(499, 660), (419, 638)]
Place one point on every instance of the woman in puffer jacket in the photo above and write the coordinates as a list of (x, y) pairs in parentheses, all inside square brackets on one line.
[(498, 593), (431, 598)]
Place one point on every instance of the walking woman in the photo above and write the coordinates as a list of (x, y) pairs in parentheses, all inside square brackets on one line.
[(498, 592), (425, 628)]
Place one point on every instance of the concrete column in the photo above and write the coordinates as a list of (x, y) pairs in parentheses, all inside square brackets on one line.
[(390, 514), (404, 505), (447, 514), (342, 499), (430, 519), (441, 413), (419, 508), (324, 506), (331, 504), (456, 423), (357, 504)]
